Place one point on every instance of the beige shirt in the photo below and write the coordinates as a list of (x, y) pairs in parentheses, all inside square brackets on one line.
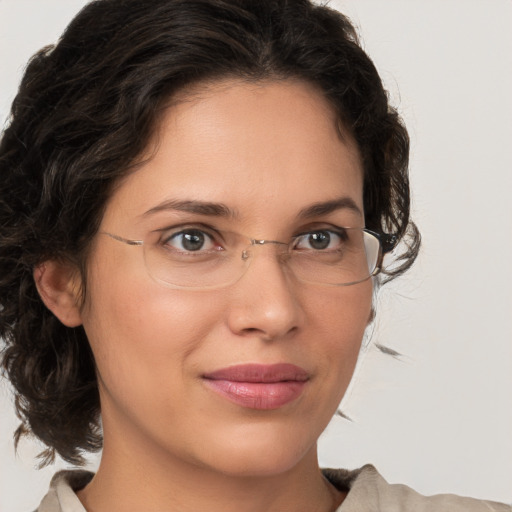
[(367, 492)]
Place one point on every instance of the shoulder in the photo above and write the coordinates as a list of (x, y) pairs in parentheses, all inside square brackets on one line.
[(61, 496), (369, 491)]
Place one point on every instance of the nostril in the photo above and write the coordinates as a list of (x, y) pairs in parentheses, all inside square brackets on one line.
[(250, 330), (266, 335)]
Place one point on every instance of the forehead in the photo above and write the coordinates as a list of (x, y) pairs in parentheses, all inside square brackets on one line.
[(261, 148)]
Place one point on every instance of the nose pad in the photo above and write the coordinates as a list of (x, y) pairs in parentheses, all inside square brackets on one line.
[(264, 303), (247, 253)]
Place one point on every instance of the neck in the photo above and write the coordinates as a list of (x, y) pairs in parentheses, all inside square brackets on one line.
[(136, 477)]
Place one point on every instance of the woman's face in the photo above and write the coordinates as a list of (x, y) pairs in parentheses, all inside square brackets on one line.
[(172, 363)]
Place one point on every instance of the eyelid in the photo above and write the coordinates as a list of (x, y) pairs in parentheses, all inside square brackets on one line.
[(218, 235), (311, 229), (170, 235), (183, 226)]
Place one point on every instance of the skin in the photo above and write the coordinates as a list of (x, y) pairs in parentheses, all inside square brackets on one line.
[(267, 151)]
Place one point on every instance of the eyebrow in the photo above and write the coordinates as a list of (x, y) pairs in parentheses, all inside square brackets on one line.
[(197, 207), (221, 210), (326, 207)]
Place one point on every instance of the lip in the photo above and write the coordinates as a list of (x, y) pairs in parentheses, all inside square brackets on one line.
[(259, 386)]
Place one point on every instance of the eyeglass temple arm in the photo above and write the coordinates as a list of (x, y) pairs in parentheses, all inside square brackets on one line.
[(121, 239)]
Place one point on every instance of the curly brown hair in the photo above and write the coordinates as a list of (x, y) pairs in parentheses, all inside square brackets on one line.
[(86, 109)]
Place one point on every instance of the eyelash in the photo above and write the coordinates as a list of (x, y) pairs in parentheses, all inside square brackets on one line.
[(216, 238), (169, 233)]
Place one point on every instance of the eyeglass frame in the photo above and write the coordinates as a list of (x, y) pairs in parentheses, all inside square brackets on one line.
[(387, 242)]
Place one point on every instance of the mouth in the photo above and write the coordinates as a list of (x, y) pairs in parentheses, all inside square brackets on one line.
[(257, 386)]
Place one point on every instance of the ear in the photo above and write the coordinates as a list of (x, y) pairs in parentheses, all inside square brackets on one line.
[(58, 284)]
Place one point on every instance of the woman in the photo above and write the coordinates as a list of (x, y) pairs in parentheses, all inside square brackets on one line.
[(193, 217)]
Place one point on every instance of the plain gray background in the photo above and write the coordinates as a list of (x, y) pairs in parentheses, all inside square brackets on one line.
[(439, 418)]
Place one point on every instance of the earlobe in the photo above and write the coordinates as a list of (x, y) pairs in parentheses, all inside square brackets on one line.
[(58, 285)]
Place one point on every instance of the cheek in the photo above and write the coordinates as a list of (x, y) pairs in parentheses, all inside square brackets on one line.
[(339, 321), (138, 328), (342, 313)]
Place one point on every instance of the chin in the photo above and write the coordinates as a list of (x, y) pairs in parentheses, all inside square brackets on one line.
[(261, 453)]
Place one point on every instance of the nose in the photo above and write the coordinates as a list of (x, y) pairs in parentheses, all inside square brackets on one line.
[(264, 302)]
